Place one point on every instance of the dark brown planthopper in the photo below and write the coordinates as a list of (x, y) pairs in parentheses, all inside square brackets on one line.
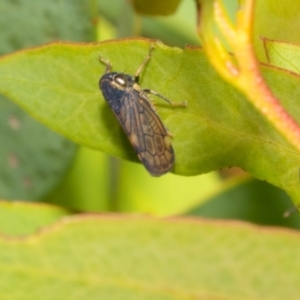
[(138, 118)]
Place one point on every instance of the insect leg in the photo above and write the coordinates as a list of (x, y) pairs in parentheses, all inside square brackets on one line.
[(142, 66), (107, 64), (180, 104)]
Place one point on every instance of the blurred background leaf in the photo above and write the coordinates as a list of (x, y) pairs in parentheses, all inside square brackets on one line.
[(276, 20), (131, 257), (178, 29), (33, 158), (156, 7)]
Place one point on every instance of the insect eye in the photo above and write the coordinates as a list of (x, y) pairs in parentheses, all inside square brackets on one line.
[(121, 80)]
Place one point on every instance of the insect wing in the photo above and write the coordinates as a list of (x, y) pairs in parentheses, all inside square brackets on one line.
[(146, 133)]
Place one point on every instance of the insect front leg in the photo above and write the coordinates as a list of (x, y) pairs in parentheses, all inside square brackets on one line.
[(178, 104), (142, 66), (107, 64)]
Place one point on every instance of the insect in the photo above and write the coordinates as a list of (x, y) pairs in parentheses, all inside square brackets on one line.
[(138, 118)]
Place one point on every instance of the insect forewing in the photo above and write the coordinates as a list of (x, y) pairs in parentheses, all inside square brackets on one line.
[(146, 133)]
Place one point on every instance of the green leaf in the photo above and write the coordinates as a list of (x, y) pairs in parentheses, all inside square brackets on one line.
[(58, 85), (276, 20), (283, 55), (110, 257)]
